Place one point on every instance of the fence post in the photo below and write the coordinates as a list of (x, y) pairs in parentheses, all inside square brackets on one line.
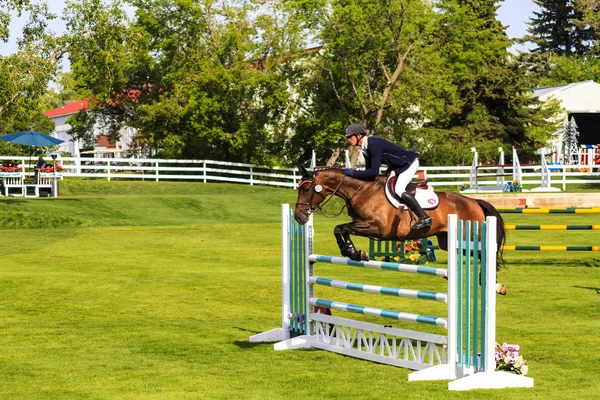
[(157, 171), (108, 169), (204, 170), (473, 171), (251, 177)]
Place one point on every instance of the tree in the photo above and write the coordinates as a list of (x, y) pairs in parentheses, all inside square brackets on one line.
[(489, 101), (553, 29), (563, 70), (370, 69), (24, 75), (567, 35), (206, 79), (590, 15)]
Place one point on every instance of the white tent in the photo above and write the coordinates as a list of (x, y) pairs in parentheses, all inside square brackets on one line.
[(578, 97), (579, 100)]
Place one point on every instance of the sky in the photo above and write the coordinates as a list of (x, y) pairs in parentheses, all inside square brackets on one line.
[(512, 13)]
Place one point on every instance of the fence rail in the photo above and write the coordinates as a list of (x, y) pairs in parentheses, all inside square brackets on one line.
[(220, 171)]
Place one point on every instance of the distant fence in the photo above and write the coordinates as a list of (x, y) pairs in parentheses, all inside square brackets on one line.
[(219, 171)]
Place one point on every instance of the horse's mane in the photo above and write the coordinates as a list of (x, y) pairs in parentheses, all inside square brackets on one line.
[(379, 180), (327, 167)]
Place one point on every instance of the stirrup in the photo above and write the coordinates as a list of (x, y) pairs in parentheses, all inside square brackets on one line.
[(422, 223)]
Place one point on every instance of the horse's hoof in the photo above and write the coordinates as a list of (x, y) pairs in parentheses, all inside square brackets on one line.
[(355, 256), (501, 289), (364, 256)]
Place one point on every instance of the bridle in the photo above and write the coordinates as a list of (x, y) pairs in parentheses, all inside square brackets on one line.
[(309, 209)]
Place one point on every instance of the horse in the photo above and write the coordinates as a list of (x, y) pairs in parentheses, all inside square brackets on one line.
[(374, 216)]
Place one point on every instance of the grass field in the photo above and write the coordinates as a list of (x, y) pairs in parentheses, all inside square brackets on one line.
[(144, 290)]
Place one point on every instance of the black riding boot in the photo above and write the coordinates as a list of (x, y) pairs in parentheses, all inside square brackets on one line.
[(424, 219)]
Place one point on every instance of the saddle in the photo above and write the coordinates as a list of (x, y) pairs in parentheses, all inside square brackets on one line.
[(420, 190), (411, 188)]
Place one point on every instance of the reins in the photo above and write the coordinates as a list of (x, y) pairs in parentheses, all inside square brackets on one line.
[(327, 198)]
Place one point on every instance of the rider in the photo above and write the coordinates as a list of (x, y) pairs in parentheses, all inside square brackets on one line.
[(403, 162)]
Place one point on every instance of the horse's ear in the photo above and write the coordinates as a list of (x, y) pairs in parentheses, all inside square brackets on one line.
[(304, 172)]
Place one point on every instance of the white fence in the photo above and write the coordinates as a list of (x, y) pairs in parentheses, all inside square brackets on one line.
[(219, 171)]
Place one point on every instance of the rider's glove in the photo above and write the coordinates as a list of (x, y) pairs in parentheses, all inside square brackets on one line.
[(348, 172)]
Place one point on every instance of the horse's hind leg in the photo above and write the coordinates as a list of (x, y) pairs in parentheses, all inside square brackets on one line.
[(443, 243), (442, 238)]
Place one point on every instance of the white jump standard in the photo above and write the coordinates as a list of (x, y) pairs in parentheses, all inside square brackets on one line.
[(466, 355)]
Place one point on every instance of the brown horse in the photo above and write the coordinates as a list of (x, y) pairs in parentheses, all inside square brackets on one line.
[(373, 215)]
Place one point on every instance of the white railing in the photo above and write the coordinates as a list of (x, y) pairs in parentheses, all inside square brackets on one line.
[(163, 169), (219, 171)]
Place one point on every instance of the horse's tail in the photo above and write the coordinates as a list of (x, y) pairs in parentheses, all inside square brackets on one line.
[(490, 211)]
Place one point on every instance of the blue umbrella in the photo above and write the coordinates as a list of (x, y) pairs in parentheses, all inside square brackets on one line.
[(31, 138)]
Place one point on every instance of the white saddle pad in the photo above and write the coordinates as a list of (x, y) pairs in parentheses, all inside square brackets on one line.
[(427, 198)]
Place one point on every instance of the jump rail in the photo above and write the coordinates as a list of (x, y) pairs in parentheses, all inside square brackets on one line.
[(568, 210)]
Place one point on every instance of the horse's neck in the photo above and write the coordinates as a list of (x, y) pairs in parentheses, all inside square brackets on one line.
[(348, 187)]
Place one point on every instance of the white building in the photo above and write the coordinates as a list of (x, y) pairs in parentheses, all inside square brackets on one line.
[(580, 100), (103, 147)]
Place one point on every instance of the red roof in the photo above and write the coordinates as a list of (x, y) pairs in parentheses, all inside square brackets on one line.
[(103, 141), (67, 109)]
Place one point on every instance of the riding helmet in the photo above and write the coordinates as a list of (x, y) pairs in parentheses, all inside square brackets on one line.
[(355, 129)]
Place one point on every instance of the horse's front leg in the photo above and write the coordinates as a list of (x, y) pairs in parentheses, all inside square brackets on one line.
[(342, 235)]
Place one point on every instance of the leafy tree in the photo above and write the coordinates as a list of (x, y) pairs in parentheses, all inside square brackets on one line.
[(439, 82), (590, 15), (371, 70), (206, 79), (554, 30), (571, 53), (25, 74), (489, 101), (568, 69)]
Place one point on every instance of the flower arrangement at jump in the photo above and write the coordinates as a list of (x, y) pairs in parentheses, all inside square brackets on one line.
[(515, 186), (414, 253), (509, 359)]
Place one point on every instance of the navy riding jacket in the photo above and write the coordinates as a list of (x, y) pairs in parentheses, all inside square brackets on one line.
[(380, 151)]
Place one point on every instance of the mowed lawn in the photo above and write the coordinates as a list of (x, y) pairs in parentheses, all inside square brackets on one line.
[(145, 290)]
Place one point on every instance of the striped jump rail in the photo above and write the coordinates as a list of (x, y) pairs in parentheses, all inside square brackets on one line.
[(383, 265), (378, 312), (552, 227), (551, 248), (568, 210), (359, 287)]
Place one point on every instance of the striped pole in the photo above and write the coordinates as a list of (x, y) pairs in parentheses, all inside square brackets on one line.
[(568, 210), (359, 287), (551, 227), (552, 248), (378, 312), (387, 266)]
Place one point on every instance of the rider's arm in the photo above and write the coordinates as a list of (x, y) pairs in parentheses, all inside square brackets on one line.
[(375, 155)]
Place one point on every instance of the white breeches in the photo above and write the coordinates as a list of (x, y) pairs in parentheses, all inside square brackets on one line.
[(405, 177)]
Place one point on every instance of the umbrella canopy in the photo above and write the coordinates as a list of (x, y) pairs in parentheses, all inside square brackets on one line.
[(31, 138)]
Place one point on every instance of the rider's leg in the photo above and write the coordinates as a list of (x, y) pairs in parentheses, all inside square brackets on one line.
[(403, 180)]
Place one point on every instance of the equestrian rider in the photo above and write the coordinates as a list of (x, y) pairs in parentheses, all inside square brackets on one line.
[(403, 162)]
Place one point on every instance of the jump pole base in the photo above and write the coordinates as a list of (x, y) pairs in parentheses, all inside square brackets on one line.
[(435, 373), (300, 342), (274, 335), (491, 380)]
